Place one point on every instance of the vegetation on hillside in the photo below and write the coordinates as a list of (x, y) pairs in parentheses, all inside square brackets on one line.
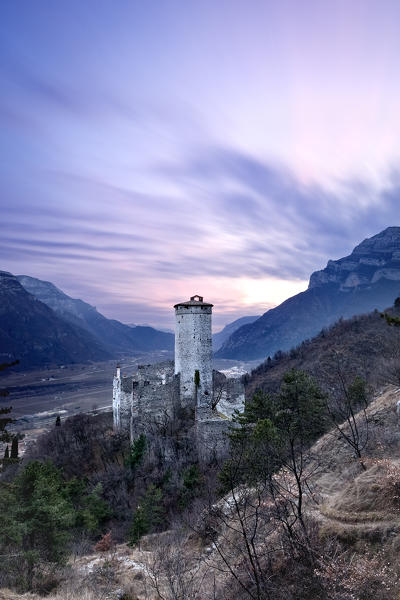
[(365, 344), (43, 510), (306, 506)]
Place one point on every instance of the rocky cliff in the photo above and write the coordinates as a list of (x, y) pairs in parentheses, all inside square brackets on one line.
[(367, 279), (374, 259)]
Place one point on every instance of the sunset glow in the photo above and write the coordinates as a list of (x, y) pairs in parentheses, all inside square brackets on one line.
[(153, 150)]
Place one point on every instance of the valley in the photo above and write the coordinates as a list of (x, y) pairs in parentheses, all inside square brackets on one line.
[(38, 396)]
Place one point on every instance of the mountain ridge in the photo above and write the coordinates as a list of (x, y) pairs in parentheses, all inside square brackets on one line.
[(368, 278), (220, 337), (31, 332), (116, 337)]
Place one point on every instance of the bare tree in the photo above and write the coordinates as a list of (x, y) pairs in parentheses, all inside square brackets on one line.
[(172, 571), (347, 406)]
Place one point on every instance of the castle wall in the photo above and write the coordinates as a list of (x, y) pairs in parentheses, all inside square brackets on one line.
[(232, 398), (154, 395), (193, 351), (211, 438)]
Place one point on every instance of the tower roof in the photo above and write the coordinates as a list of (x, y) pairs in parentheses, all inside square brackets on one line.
[(195, 300)]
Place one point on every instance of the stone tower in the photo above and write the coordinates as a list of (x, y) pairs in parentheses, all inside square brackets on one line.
[(193, 352)]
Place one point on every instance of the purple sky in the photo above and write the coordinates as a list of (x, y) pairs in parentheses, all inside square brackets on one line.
[(154, 150)]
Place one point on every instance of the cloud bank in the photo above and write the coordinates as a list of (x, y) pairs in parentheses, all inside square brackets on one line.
[(152, 152)]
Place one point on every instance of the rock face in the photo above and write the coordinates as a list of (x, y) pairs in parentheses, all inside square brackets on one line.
[(374, 259), (33, 333), (116, 337), (367, 279)]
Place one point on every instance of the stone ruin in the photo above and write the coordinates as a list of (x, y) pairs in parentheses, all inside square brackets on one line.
[(189, 383)]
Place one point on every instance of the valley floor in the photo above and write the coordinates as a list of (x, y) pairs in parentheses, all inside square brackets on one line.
[(39, 395)]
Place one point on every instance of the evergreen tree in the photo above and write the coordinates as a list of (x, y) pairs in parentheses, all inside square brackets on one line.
[(274, 429), (58, 421), (392, 320), (300, 409), (137, 452), (6, 458), (148, 514), (42, 511), (14, 448), (139, 527), (90, 509), (4, 421), (40, 516), (251, 458), (191, 483)]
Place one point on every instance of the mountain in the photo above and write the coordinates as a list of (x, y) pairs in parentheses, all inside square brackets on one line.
[(116, 337), (367, 279), (164, 329), (365, 344), (220, 337), (33, 333)]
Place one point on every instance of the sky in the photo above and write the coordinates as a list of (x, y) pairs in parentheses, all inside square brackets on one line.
[(150, 151)]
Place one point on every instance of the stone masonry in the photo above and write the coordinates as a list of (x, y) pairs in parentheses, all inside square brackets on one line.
[(156, 392)]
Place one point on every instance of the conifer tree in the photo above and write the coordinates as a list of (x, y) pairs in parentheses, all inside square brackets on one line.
[(43, 510), (6, 458), (138, 450), (58, 421), (148, 514), (5, 420), (14, 448)]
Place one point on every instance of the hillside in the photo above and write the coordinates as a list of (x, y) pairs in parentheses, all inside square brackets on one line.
[(220, 338), (115, 337), (367, 279), (344, 548), (352, 517), (366, 344), (31, 332)]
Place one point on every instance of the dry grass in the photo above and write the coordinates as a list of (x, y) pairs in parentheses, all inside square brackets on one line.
[(360, 509)]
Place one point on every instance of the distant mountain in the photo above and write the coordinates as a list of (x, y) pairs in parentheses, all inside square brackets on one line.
[(367, 279), (220, 337), (33, 333), (114, 336), (164, 329)]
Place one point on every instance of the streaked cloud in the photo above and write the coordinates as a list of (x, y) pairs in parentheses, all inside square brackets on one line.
[(154, 150)]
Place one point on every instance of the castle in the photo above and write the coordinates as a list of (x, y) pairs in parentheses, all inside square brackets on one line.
[(187, 384)]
